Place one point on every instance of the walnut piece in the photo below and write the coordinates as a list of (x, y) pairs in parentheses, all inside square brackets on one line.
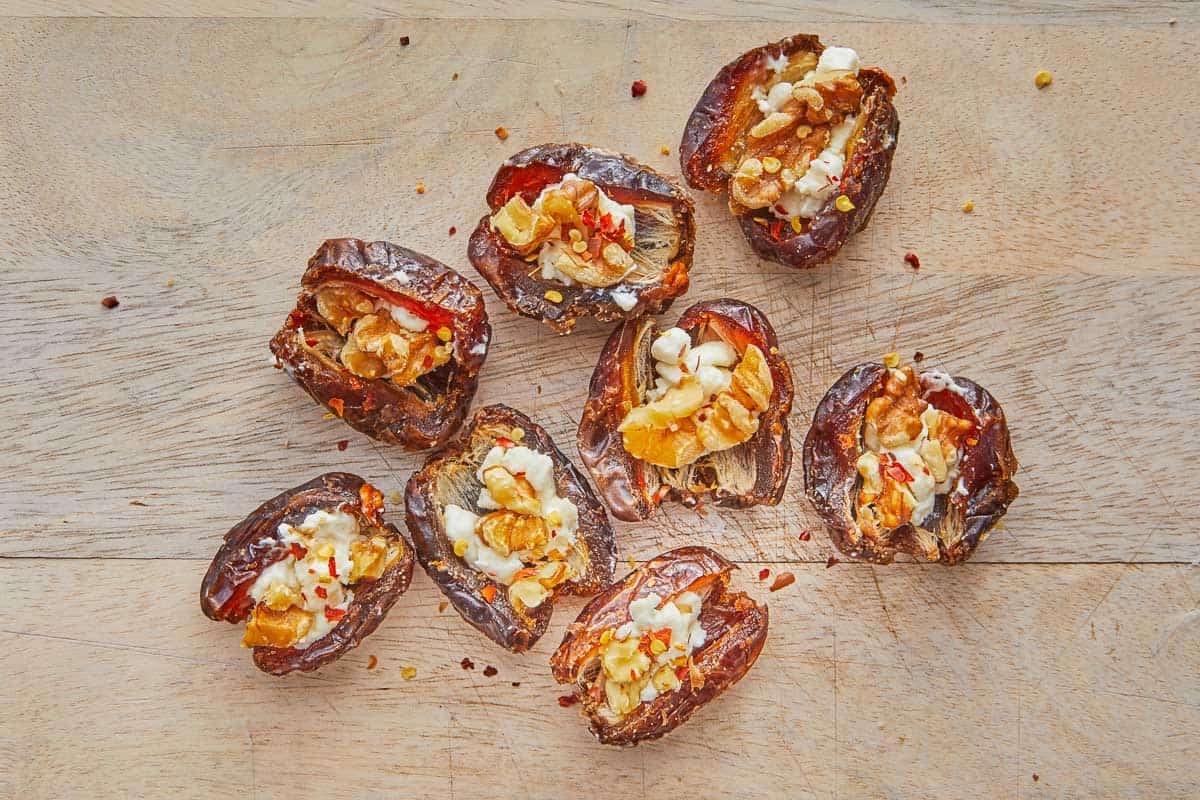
[(508, 532), (270, 628)]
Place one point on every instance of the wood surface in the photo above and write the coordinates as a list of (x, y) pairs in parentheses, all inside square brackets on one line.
[(190, 166)]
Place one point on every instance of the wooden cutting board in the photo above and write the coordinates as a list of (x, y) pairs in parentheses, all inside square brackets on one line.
[(191, 166)]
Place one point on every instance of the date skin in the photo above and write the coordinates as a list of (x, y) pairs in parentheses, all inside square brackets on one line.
[(448, 477), (254, 544), (726, 110), (623, 179), (735, 625), (630, 486), (415, 419), (959, 521)]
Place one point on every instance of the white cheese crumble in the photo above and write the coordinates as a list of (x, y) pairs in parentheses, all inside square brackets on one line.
[(675, 356), (555, 247), (330, 532), (838, 58), (538, 469), (402, 316), (624, 297)]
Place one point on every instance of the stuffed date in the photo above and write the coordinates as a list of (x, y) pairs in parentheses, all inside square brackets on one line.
[(503, 523), (388, 339), (649, 651), (576, 231), (700, 409), (900, 461), (800, 138), (311, 572)]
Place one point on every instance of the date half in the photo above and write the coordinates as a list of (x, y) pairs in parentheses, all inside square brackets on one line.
[(900, 461), (504, 524), (388, 339), (698, 410), (650, 650), (575, 231), (311, 572)]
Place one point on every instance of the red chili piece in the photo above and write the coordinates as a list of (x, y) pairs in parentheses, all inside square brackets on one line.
[(334, 614), (912, 260), (110, 302), (638, 89), (333, 566)]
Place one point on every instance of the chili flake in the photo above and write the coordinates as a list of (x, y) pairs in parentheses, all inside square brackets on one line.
[(805, 535), (110, 302), (831, 562), (568, 700), (764, 573), (490, 671), (911, 259), (782, 581), (467, 663), (321, 592), (338, 405), (298, 551), (420, 187), (502, 133), (489, 593), (408, 673), (638, 88), (891, 468), (918, 357), (334, 614), (372, 662), (453, 230), (343, 444), (404, 40)]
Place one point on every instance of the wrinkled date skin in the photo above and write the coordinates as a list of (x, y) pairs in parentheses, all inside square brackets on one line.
[(622, 179), (735, 626), (633, 488), (716, 131), (254, 544), (420, 416), (960, 519), (449, 476)]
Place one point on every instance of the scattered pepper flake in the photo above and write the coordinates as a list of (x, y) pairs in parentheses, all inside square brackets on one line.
[(805, 535), (833, 560), (502, 133), (516, 684), (764, 573), (638, 88), (568, 700), (333, 573), (321, 592), (110, 302), (334, 614), (372, 662), (666, 151), (137, 503), (1037, 777), (443, 605), (553, 295), (343, 444), (911, 259), (454, 77), (338, 405), (453, 230), (404, 40), (891, 360), (490, 672), (408, 673), (1043, 79), (918, 357), (782, 581), (968, 206), (420, 187), (467, 663), (844, 204), (489, 593)]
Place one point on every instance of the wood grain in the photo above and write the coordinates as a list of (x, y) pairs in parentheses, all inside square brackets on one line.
[(191, 166), (875, 682)]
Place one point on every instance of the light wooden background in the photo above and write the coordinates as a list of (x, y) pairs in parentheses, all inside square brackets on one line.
[(190, 165)]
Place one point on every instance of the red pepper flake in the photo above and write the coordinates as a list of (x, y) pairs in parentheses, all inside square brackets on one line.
[(343, 444), (971, 441), (489, 593), (918, 357), (311, 342), (776, 229), (333, 566), (911, 259), (490, 672), (428, 362), (442, 606), (764, 573), (588, 218), (404, 40), (516, 684), (338, 405), (895, 470), (661, 493), (321, 592), (110, 302), (805, 535), (502, 133), (298, 551), (372, 662), (568, 700), (1037, 777), (453, 230), (505, 442), (467, 663), (370, 500), (334, 614), (782, 581), (833, 560), (638, 88)]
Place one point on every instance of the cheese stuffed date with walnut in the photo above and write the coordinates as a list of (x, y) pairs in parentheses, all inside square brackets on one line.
[(649, 651), (311, 572), (503, 523), (699, 409), (388, 339), (800, 139), (576, 231), (900, 461)]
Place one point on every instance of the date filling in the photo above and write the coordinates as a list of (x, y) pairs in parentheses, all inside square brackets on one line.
[(910, 452), (649, 655), (795, 153), (706, 398), (525, 535), (376, 339), (301, 598)]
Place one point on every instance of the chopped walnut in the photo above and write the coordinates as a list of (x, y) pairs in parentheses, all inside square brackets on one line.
[(509, 532)]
